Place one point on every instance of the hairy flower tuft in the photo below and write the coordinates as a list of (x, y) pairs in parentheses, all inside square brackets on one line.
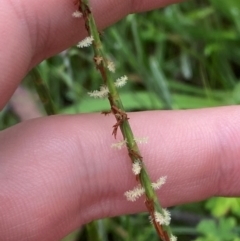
[(85, 42), (141, 140), (77, 14), (173, 238), (119, 145), (157, 185), (120, 82), (102, 93), (134, 194), (163, 219), (136, 168), (111, 66)]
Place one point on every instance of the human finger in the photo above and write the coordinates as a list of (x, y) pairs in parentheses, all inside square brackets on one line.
[(33, 31), (60, 172)]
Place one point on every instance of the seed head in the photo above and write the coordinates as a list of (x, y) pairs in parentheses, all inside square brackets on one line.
[(173, 238), (136, 168), (163, 219), (134, 194), (120, 82), (119, 145), (111, 66), (157, 185), (141, 140), (102, 93), (85, 42), (77, 14)]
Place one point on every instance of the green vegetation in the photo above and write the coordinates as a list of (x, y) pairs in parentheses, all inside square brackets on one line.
[(180, 57)]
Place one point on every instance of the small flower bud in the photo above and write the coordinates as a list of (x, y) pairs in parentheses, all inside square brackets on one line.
[(119, 145), (102, 93), (120, 82), (98, 60), (136, 168), (134, 194), (163, 219), (111, 66), (173, 238), (157, 185), (85, 42), (141, 140), (77, 14)]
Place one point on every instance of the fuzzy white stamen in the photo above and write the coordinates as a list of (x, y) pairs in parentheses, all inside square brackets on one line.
[(111, 66), (157, 185), (159, 218), (77, 14), (136, 168), (119, 145), (120, 82), (173, 238), (102, 93), (163, 219), (142, 140), (134, 194), (85, 42), (167, 216)]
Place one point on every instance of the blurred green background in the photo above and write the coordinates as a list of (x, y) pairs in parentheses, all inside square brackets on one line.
[(183, 56)]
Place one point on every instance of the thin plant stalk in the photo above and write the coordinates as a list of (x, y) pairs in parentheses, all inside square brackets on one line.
[(43, 93), (92, 231), (122, 123), (44, 96)]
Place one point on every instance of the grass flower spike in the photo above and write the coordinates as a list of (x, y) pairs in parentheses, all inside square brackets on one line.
[(102, 93), (142, 140), (173, 238), (77, 14), (136, 168), (160, 217), (85, 42), (120, 82), (134, 194), (163, 218), (119, 145), (158, 184), (111, 66)]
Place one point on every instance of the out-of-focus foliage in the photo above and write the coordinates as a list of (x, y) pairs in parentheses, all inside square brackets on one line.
[(224, 230)]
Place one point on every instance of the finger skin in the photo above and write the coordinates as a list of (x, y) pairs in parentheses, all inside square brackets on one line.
[(33, 30), (63, 173), (59, 172)]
